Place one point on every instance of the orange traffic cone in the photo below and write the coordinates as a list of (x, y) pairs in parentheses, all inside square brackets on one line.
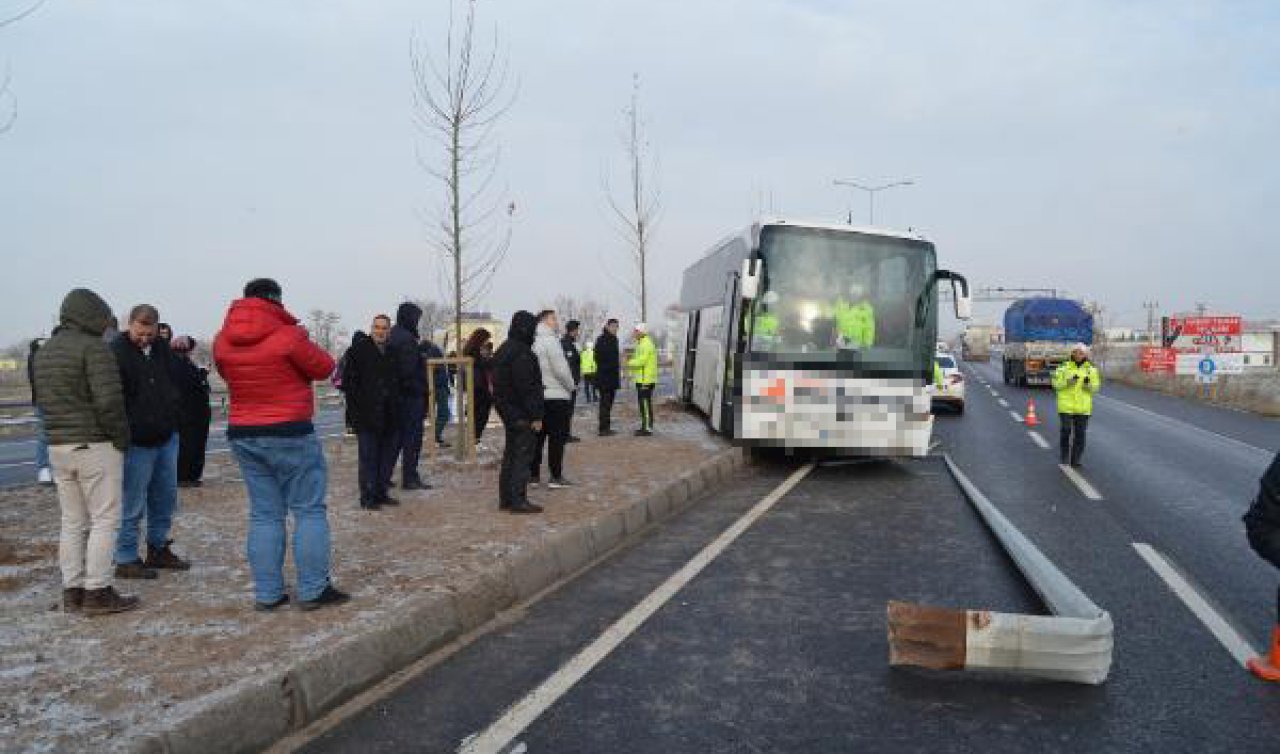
[(1032, 420), (1267, 667)]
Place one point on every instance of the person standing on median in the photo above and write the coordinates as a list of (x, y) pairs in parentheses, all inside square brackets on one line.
[(518, 397), (557, 392), (643, 366), (83, 406), (608, 374), (412, 374), (479, 348), (1262, 526), (1075, 382), (371, 384), (269, 364), (571, 354), (192, 383), (589, 373), (151, 463)]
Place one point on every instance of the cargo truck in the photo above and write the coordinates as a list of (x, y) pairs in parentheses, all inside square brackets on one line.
[(975, 344), (1039, 334)]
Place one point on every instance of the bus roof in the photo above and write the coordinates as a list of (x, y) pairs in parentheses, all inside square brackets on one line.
[(751, 231)]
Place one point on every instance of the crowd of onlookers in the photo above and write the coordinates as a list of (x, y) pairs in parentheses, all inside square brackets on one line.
[(125, 417)]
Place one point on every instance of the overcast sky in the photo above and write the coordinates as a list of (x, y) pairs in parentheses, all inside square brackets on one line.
[(168, 151)]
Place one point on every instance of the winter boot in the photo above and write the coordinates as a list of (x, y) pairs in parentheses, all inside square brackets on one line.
[(1267, 667), (163, 557), (72, 599), (107, 600), (135, 570)]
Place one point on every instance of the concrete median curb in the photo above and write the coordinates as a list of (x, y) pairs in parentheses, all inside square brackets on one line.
[(255, 713), (1074, 644)]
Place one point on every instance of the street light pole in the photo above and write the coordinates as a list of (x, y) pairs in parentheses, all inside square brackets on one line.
[(871, 195)]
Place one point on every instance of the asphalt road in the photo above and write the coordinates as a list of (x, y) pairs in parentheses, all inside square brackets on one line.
[(17, 454), (779, 644)]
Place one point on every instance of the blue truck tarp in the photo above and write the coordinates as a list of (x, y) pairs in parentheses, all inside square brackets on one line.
[(1047, 319)]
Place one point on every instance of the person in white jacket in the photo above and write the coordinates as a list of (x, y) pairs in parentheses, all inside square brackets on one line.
[(557, 392)]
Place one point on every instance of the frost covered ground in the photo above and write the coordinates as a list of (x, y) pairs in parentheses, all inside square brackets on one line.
[(70, 683)]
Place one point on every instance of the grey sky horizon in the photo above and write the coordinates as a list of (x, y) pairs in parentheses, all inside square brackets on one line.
[(168, 152)]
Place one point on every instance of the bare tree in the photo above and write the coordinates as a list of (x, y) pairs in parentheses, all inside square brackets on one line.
[(326, 329), (435, 316), (636, 213), (589, 312), (8, 102), (459, 97)]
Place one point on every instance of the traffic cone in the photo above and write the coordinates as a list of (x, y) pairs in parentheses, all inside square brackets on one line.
[(1032, 420), (1267, 667)]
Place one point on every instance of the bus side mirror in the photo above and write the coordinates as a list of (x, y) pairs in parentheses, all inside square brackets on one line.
[(959, 291), (749, 280)]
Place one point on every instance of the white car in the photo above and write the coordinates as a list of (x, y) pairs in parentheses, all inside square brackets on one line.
[(952, 391)]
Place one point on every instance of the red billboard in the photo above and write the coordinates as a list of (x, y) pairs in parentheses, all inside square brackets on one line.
[(1216, 334), (1158, 360)]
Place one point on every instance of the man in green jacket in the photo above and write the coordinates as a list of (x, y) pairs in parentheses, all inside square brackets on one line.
[(1075, 383), (78, 384), (643, 365)]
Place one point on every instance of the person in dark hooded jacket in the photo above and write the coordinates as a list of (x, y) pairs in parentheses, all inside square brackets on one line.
[(517, 394), (192, 383), (372, 387), (412, 375), (1262, 524)]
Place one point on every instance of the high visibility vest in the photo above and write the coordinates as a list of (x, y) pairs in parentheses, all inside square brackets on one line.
[(937, 375), (1075, 396), (856, 323), (766, 324), (643, 364), (588, 361)]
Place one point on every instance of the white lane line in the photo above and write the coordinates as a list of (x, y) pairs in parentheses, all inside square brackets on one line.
[(17, 465), (523, 713), (1185, 425), (1197, 604), (1035, 436), (1016, 416), (1086, 489), (1003, 403)]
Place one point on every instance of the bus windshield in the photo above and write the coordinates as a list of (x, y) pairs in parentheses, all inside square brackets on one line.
[(845, 296)]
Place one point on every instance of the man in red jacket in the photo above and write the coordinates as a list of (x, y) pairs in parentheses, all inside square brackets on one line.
[(269, 364)]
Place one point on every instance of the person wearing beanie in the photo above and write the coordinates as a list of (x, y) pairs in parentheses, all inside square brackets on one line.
[(643, 365), (269, 364), (1075, 382), (192, 383)]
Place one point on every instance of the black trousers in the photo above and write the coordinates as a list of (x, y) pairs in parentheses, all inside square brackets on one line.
[(378, 451), (413, 412), (589, 388), (1072, 431), (557, 417), (644, 394), (484, 405), (606, 407), (513, 479), (193, 439)]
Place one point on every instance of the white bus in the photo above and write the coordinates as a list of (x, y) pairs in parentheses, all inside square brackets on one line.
[(815, 337)]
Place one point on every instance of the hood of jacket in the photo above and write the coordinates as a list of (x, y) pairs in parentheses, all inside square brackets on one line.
[(250, 320), (408, 316), (84, 310), (524, 327)]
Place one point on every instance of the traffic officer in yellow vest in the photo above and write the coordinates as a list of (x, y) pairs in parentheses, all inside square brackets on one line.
[(856, 320), (589, 373), (643, 366), (1075, 382)]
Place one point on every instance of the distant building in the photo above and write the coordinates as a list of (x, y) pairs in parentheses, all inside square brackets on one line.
[(471, 321)]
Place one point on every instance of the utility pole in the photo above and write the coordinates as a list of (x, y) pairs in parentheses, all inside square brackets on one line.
[(1201, 308)]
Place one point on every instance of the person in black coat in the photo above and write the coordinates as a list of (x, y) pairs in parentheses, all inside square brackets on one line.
[(517, 394), (608, 373), (371, 383), (1262, 525), (192, 385), (412, 374), (479, 348)]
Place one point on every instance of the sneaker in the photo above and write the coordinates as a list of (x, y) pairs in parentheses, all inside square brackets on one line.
[(329, 596), (643, 433), (268, 607), (135, 570), (416, 484), (44, 476), (106, 601), (164, 557), (524, 508), (559, 483), (72, 599)]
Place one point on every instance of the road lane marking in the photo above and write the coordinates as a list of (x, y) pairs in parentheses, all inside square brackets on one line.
[(523, 713), (1035, 436), (1086, 489), (1003, 403), (1185, 425), (1016, 416), (1226, 635)]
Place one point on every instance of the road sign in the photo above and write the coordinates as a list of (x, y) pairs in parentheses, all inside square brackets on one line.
[(1155, 360), (1193, 364), (1194, 334)]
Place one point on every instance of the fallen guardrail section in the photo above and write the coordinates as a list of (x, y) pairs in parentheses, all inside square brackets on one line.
[(1074, 644)]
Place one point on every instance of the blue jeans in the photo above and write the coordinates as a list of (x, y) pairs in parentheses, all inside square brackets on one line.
[(150, 488), (285, 475), (42, 442)]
